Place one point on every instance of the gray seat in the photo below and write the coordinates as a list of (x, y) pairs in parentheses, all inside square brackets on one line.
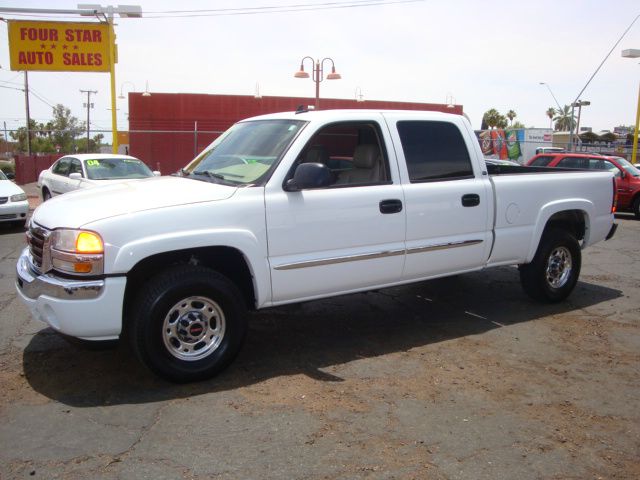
[(366, 166), (316, 154)]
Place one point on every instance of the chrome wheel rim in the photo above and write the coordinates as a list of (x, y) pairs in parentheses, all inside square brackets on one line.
[(559, 267), (193, 328)]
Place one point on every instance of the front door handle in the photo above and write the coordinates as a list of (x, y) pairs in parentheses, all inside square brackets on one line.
[(471, 200), (390, 206)]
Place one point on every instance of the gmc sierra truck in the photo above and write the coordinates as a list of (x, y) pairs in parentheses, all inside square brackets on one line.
[(292, 207)]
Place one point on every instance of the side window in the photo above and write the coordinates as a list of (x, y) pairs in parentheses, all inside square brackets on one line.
[(434, 151), (75, 167), (62, 167), (541, 161), (353, 151), (612, 168), (573, 162)]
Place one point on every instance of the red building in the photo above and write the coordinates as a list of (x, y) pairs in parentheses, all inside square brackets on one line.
[(166, 130)]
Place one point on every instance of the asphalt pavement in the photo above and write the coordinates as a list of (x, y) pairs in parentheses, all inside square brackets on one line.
[(458, 378)]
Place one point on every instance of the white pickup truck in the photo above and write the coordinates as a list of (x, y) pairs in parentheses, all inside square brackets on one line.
[(291, 207)]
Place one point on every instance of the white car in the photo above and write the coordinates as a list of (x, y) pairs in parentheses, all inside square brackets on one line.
[(72, 172), (13, 202)]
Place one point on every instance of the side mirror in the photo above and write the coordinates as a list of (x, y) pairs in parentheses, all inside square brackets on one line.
[(75, 176), (309, 175), (156, 173)]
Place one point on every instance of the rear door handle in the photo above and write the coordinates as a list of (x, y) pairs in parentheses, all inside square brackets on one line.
[(390, 206), (470, 200)]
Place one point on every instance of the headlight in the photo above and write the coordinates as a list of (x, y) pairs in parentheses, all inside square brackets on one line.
[(77, 251), (18, 197)]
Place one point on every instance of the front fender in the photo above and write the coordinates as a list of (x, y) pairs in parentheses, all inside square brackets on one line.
[(254, 251)]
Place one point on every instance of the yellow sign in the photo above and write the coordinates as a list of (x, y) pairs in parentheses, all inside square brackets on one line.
[(59, 46)]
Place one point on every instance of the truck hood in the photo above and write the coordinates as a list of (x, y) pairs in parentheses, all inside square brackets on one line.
[(75, 209)]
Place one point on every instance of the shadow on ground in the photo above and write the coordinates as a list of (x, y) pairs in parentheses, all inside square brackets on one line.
[(305, 338)]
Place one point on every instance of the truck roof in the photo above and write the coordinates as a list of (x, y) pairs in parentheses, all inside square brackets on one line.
[(342, 114)]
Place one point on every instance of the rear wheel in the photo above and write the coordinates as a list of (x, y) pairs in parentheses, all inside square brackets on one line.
[(188, 323), (636, 207), (553, 273)]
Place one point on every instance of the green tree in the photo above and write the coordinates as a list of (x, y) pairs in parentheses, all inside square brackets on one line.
[(551, 112), (494, 119), (511, 115), (515, 125), (94, 143), (65, 128), (564, 120)]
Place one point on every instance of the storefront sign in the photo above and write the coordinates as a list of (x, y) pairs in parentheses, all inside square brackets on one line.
[(59, 46)]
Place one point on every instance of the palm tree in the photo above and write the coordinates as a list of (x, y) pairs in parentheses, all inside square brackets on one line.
[(550, 113), (511, 115), (492, 118), (564, 120)]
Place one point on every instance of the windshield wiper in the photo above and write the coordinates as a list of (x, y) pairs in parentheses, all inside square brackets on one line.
[(208, 174)]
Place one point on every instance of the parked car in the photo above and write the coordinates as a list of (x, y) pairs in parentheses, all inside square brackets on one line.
[(627, 175), (549, 150), (265, 216), (14, 205), (72, 172)]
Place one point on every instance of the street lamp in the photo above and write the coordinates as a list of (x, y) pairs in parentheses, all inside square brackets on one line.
[(634, 53), (554, 97), (579, 104), (318, 71), (121, 96), (146, 90)]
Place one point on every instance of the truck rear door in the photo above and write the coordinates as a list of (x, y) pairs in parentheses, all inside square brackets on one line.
[(448, 199)]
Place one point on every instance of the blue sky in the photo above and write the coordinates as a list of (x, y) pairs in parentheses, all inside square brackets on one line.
[(485, 55)]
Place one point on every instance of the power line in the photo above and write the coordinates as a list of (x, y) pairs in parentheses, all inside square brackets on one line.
[(267, 9)]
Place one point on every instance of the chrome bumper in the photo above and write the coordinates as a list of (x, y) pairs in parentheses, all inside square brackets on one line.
[(33, 285)]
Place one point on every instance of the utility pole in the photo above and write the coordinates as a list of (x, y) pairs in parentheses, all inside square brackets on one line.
[(26, 103), (89, 106)]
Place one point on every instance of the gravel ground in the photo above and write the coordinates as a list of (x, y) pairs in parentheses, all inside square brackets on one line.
[(460, 378)]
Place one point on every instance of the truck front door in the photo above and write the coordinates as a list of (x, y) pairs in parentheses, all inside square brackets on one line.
[(347, 236)]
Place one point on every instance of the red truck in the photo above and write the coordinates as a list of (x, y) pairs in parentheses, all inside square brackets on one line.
[(627, 176)]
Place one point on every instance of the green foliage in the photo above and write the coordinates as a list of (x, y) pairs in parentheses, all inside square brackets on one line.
[(61, 131), (94, 144), (511, 115), (564, 120), (515, 125), (494, 119), (551, 112)]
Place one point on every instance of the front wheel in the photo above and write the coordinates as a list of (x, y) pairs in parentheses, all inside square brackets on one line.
[(188, 323), (553, 273)]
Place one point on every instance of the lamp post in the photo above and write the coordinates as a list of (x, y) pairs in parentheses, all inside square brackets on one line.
[(121, 96), (579, 104), (318, 74), (634, 53), (554, 97)]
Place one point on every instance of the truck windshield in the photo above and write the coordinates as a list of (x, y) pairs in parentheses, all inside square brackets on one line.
[(245, 153)]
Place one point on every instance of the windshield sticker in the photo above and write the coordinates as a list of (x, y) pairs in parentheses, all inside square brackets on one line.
[(93, 163)]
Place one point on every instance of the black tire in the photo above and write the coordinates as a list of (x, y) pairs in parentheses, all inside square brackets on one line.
[(635, 206), (188, 323), (46, 195), (553, 273)]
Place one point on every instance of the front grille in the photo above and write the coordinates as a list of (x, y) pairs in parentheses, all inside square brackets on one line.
[(37, 238), (3, 200)]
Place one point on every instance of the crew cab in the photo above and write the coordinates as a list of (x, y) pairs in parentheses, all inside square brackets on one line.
[(291, 207), (627, 175)]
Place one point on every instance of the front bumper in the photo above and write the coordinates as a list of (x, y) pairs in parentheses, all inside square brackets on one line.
[(14, 211), (87, 309)]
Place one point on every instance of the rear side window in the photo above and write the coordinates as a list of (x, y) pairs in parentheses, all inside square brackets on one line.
[(434, 151), (542, 161), (573, 162)]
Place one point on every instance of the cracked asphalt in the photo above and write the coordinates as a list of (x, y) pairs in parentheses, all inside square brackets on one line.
[(459, 378)]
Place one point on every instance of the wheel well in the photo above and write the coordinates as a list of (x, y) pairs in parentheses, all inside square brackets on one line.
[(572, 221), (225, 260)]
